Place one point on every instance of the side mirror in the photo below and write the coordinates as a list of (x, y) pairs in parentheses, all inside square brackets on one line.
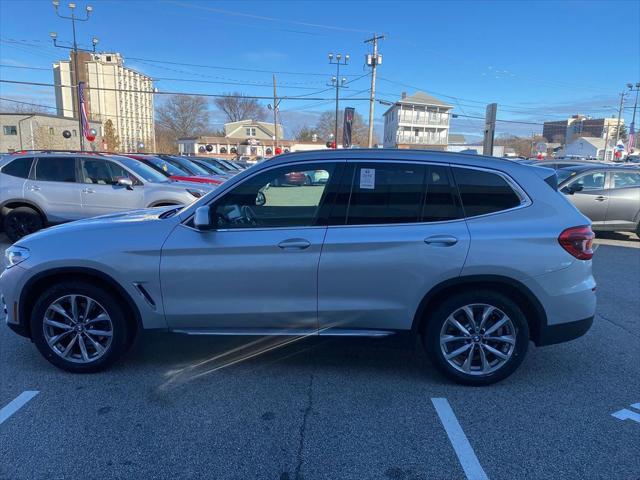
[(125, 182), (202, 218), (575, 188)]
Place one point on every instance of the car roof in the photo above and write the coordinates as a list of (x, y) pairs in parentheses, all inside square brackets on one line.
[(363, 154)]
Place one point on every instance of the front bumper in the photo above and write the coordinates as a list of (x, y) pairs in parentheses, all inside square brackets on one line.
[(11, 282), (563, 332)]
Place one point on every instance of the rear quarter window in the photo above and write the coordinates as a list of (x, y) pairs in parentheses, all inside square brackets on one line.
[(484, 192), (20, 167)]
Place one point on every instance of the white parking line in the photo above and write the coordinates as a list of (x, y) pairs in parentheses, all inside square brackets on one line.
[(626, 414), (16, 404), (458, 439)]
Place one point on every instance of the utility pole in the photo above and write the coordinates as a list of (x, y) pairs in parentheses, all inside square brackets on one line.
[(275, 115), (622, 94), (373, 61), (338, 83), (75, 50), (274, 107), (632, 128)]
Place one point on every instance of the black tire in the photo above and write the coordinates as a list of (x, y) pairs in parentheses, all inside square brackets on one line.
[(438, 317), (22, 221), (121, 331)]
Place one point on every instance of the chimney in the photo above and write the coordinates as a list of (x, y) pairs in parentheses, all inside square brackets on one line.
[(404, 95)]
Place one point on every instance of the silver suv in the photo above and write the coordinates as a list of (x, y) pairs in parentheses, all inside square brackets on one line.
[(475, 255), (37, 189)]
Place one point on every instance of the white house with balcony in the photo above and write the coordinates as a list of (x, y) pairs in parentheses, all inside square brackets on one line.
[(417, 121)]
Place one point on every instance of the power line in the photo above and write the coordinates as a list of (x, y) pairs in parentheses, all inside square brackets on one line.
[(213, 95)]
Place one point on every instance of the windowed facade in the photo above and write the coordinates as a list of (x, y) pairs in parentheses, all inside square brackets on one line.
[(10, 129)]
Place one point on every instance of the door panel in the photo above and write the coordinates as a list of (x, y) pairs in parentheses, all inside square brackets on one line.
[(101, 194), (593, 199), (54, 188), (241, 279), (374, 277), (624, 199), (375, 270), (258, 269)]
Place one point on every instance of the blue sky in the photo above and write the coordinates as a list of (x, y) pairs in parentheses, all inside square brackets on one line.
[(538, 60)]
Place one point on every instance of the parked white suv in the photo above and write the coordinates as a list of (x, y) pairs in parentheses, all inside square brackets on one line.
[(39, 189), (476, 255)]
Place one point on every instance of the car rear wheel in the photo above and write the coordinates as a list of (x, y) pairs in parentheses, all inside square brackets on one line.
[(477, 338), (21, 221), (79, 327)]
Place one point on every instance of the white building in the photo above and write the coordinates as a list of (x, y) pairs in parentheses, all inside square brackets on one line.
[(113, 92), (418, 121), (589, 147)]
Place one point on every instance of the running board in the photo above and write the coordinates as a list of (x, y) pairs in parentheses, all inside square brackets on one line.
[(306, 332)]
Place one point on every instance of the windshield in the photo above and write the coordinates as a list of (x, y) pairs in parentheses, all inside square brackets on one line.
[(141, 170), (212, 169), (188, 165), (167, 167), (229, 164), (564, 173)]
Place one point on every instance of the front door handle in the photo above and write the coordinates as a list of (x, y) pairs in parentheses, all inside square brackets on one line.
[(294, 244), (88, 190), (601, 198), (441, 240)]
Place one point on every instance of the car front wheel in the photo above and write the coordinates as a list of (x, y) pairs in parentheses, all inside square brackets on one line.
[(79, 327), (477, 338)]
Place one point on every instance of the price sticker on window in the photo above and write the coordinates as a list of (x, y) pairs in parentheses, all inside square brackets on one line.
[(368, 178)]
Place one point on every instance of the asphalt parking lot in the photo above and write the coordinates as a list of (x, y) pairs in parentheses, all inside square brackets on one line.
[(273, 408)]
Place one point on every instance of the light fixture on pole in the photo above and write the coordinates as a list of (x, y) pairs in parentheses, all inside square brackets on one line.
[(75, 49)]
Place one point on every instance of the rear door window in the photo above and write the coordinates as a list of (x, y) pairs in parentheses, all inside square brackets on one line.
[(20, 167), (56, 169), (384, 193), (484, 192), (625, 179)]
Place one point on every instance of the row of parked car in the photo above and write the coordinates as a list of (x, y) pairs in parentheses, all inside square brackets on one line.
[(606, 192), (40, 188)]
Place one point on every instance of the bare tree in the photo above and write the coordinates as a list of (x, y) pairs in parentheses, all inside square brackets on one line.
[(183, 115), (304, 133), (165, 141), (326, 125), (11, 107), (237, 107)]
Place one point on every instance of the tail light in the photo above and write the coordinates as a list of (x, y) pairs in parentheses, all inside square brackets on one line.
[(578, 241)]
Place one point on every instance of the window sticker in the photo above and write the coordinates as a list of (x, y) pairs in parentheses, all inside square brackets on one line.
[(368, 178)]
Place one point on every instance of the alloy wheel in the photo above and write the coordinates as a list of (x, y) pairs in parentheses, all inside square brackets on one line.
[(478, 339), (77, 328)]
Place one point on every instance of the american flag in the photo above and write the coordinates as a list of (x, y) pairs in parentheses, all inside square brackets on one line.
[(632, 138), (83, 110)]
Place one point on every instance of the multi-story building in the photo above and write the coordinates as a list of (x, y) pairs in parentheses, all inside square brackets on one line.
[(113, 92), (39, 131), (566, 131), (417, 121)]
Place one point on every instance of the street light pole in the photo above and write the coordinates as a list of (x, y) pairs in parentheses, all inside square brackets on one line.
[(75, 49), (635, 107), (338, 83), (622, 94)]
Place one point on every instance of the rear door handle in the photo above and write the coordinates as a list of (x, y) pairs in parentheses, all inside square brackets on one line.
[(441, 240), (601, 198), (88, 190), (294, 244), (34, 188)]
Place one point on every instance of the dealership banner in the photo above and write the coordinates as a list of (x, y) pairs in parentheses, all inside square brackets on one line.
[(349, 113)]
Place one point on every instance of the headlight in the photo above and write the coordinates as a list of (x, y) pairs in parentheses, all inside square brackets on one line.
[(195, 193), (14, 255)]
